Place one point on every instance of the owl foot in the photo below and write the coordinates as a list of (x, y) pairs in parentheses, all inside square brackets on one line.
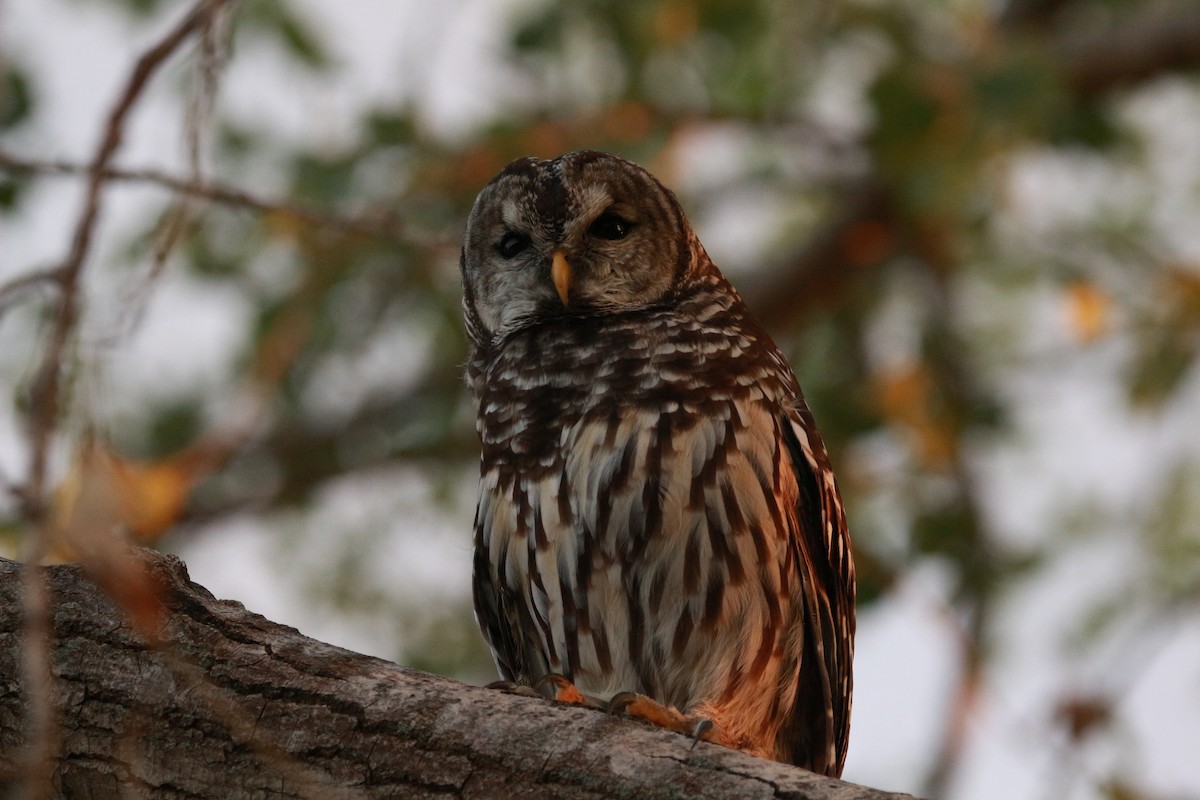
[(566, 692), (644, 708)]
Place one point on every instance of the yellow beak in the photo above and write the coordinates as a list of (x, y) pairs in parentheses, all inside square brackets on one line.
[(560, 272)]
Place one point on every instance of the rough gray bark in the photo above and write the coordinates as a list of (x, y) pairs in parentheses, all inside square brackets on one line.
[(232, 705)]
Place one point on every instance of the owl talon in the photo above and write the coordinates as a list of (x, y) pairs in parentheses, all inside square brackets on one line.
[(702, 728), (641, 707), (619, 702)]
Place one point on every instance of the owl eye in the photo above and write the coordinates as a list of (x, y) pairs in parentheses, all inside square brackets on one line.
[(512, 244), (610, 226)]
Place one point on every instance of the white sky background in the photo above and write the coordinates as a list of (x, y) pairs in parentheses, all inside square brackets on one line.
[(1076, 440)]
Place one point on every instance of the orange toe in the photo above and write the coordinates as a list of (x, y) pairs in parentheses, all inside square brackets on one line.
[(565, 691), (650, 710)]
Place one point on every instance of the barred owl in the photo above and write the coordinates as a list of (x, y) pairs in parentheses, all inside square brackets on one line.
[(657, 513)]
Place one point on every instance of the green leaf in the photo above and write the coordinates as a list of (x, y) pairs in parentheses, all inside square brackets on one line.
[(275, 19), (11, 190), (541, 31), (139, 9), (1160, 369), (173, 427), (16, 97), (390, 128)]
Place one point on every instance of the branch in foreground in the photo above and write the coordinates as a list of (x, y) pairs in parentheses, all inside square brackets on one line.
[(232, 705), (46, 390)]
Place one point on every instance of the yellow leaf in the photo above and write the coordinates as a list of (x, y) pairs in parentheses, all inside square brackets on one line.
[(91, 519), (282, 225), (907, 397), (152, 496), (105, 494), (1089, 311), (675, 22)]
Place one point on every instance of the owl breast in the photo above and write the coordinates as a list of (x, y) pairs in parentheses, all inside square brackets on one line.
[(630, 503)]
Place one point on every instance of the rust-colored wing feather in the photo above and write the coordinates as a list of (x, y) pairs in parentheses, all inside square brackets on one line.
[(820, 724)]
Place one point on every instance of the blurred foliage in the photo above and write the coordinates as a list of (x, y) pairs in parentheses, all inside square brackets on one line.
[(16, 102), (896, 213)]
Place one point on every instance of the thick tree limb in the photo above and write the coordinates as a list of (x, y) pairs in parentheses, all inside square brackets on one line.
[(231, 705)]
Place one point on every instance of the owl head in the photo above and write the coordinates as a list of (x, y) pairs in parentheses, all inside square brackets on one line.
[(586, 233)]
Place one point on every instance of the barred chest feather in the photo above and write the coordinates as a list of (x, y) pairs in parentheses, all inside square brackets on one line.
[(686, 361)]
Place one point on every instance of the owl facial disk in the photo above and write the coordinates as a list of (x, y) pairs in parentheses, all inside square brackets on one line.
[(582, 235), (560, 273)]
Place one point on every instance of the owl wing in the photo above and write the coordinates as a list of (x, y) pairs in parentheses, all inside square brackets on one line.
[(503, 617), (820, 722)]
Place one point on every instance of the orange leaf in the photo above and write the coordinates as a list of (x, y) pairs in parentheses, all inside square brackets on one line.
[(1089, 311), (88, 525), (906, 397)]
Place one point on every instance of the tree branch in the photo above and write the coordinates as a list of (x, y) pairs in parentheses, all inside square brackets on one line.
[(1147, 42), (45, 393), (231, 705), (1150, 40), (376, 225), (12, 291)]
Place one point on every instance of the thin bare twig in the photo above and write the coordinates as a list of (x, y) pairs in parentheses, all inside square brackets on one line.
[(10, 292), (40, 689), (201, 101), (376, 226), (45, 393)]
